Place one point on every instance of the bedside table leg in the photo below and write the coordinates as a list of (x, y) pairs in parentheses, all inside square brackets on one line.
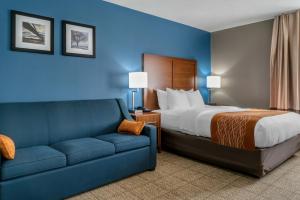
[(158, 139)]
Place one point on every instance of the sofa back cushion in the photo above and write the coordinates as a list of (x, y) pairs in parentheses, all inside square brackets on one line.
[(46, 123), (25, 123), (77, 119)]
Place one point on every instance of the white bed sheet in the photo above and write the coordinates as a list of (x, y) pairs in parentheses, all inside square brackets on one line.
[(170, 119), (269, 131)]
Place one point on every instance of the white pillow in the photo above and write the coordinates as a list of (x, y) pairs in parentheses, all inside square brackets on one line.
[(162, 98), (191, 90), (177, 99), (195, 99)]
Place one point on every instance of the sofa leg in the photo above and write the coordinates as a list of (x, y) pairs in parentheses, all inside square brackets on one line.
[(152, 168)]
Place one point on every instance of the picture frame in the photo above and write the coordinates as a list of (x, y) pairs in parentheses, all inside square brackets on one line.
[(78, 39), (32, 33)]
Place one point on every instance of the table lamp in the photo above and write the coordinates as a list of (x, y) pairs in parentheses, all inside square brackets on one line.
[(137, 80), (212, 82)]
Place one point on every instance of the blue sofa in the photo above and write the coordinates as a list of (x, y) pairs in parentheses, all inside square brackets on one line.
[(65, 148)]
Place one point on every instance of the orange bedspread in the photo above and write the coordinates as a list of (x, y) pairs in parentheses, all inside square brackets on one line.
[(236, 129)]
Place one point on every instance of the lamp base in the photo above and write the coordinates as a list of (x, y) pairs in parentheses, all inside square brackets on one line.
[(146, 110), (131, 111), (209, 95), (133, 100)]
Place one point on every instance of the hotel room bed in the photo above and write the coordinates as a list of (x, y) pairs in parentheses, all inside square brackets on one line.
[(274, 143), (272, 146)]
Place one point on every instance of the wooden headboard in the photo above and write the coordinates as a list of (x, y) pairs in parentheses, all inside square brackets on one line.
[(167, 72)]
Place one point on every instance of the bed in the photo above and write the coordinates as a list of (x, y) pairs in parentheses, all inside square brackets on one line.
[(184, 135)]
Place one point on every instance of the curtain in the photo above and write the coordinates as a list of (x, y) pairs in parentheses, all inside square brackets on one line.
[(285, 62)]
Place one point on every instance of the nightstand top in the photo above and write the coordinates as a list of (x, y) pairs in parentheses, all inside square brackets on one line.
[(145, 113)]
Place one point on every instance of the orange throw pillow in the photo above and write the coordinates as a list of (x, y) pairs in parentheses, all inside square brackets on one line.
[(7, 147), (131, 127)]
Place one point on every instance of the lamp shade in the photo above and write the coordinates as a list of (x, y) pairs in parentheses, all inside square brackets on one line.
[(213, 81), (138, 80)]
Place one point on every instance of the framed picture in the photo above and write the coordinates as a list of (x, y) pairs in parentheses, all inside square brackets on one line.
[(32, 33), (78, 39)]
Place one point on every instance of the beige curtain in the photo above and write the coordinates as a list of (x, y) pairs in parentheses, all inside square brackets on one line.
[(285, 62)]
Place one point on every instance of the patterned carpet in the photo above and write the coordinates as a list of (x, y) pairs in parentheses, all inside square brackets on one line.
[(177, 178)]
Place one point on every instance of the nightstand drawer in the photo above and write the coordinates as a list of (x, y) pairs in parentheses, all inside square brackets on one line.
[(153, 123)]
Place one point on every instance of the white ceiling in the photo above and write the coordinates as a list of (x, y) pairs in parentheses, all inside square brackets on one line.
[(212, 15)]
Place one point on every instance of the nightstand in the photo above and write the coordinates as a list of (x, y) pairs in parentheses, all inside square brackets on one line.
[(152, 118)]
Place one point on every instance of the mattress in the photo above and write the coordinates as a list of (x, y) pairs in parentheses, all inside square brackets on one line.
[(268, 132)]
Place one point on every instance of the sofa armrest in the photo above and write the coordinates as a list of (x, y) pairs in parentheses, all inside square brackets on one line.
[(124, 109), (151, 132)]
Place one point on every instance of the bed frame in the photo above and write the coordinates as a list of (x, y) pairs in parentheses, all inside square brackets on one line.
[(257, 163), (169, 72)]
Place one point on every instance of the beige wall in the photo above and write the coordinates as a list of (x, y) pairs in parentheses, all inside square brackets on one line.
[(241, 56)]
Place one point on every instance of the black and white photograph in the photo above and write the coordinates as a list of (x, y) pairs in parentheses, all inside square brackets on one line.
[(78, 39), (32, 33)]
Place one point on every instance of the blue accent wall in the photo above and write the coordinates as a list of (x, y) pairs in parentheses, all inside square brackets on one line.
[(123, 35)]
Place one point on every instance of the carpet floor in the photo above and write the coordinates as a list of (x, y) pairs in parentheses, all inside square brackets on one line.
[(178, 178)]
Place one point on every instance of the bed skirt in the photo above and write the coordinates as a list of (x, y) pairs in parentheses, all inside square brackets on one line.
[(257, 163)]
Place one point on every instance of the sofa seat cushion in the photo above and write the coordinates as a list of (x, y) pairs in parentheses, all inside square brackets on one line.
[(32, 160), (124, 142), (84, 149)]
